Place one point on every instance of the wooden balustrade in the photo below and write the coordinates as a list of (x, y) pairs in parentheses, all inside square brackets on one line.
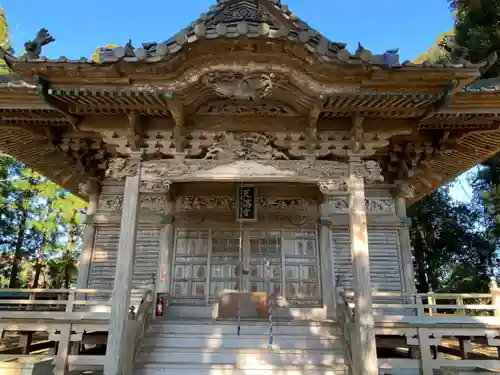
[(137, 326), (424, 320), (345, 318), (66, 316), (427, 304), (57, 300)]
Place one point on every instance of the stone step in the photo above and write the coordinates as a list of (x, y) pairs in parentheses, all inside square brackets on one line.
[(252, 358), (217, 340), (207, 312), (252, 328), (263, 369)]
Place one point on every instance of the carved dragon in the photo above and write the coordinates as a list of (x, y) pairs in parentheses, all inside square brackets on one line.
[(241, 146)]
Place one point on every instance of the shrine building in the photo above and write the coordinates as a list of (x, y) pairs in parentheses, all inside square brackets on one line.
[(247, 155)]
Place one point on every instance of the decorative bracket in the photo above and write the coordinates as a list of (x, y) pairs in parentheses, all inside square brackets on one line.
[(90, 187), (368, 171), (403, 189), (120, 168)]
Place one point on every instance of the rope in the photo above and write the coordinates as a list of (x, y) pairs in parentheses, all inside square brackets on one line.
[(269, 303), (240, 276)]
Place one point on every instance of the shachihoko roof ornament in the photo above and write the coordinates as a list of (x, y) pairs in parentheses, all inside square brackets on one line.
[(33, 48)]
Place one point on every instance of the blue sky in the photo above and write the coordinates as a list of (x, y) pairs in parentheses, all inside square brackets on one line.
[(80, 26)]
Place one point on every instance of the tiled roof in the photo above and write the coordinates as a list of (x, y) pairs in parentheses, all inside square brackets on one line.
[(250, 19), (484, 85)]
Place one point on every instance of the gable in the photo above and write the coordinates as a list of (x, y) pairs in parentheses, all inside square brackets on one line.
[(244, 10)]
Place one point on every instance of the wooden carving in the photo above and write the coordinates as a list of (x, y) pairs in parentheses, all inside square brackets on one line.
[(243, 146), (246, 108), (241, 86), (120, 168)]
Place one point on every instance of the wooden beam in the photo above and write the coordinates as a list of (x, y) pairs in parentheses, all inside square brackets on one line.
[(43, 88), (136, 131), (177, 111), (356, 134), (456, 110), (313, 127), (445, 99)]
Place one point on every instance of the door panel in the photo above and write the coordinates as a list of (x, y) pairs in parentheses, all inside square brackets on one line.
[(206, 263), (225, 256), (265, 247), (190, 268), (301, 268)]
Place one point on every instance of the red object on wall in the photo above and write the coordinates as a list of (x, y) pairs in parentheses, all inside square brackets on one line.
[(160, 305)]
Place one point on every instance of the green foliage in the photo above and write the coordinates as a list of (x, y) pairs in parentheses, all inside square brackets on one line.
[(452, 253), (4, 41), (477, 28), (436, 52), (40, 229), (95, 56)]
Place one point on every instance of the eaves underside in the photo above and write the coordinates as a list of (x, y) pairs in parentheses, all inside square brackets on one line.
[(30, 129)]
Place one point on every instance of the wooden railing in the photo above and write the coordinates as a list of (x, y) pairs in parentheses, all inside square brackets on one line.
[(424, 321), (52, 300), (138, 325), (345, 318), (65, 316), (427, 304)]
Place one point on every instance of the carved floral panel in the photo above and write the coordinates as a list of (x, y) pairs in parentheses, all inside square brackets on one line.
[(372, 205), (217, 202), (148, 203)]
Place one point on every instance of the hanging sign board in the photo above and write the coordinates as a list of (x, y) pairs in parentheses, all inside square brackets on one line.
[(247, 203)]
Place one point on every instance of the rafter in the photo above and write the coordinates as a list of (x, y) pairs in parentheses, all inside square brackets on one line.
[(43, 87)]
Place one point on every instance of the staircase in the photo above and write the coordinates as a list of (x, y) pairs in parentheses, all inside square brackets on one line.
[(202, 346)]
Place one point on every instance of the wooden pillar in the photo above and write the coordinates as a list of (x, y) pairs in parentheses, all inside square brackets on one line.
[(63, 345), (166, 250), (120, 301), (361, 269), (495, 296), (25, 339), (325, 248), (91, 188), (401, 191), (465, 347)]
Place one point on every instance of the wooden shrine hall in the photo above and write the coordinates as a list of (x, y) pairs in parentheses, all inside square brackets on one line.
[(249, 172)]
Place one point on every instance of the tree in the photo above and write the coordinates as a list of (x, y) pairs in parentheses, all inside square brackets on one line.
[(477, 28), (39, 228), (96, 56), (4, 41), (436, 53), (448, 245)]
